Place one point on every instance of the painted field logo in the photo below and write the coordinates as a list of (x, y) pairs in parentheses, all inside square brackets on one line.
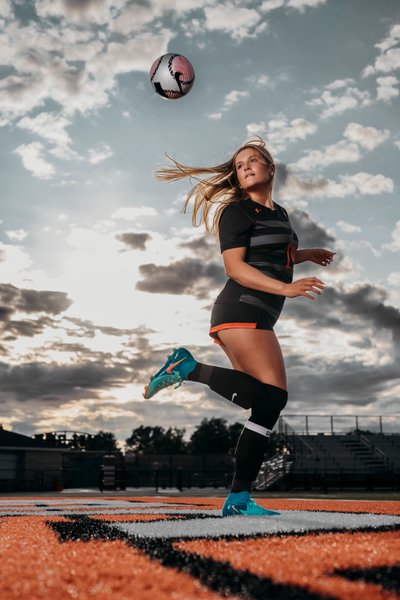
[(183, 548)]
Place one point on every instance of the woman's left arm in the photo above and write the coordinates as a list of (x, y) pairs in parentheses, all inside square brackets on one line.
[(319, 256)]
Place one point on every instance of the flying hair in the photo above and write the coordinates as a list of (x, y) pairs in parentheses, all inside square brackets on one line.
[(220, 187)]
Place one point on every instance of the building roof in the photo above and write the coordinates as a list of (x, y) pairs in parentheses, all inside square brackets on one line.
[(10, 439)]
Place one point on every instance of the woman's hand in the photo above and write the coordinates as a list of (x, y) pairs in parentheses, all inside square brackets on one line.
[(302, 286), (319, 256)]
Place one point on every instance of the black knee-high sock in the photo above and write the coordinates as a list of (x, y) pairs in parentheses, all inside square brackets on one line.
[(266, 401), (253, 440), (235, 386)]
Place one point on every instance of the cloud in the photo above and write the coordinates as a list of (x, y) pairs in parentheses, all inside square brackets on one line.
[(5, 9), (188, 276), (33, 301), (131, 213), (344, 151), (394, 279), (49, 126), (269, 5), (367, 137), (347, 97), (279, 131), (55, 383), (348, 227), (386, 89), (299, 5), (361, 183), (394, 246), (240, 24), (100, 154), (33, 161), (94, 11), (201, 247), (310, 232), (77, 69), (389, 58), (16, 235), (230, 99), (136, 241), (15, 302)]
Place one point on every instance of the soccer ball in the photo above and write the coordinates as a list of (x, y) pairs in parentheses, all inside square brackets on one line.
[(172, 76)]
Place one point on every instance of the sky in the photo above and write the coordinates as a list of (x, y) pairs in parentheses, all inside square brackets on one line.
[(102, 275)]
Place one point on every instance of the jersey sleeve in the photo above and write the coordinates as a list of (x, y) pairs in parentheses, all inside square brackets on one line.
[(234, 228)]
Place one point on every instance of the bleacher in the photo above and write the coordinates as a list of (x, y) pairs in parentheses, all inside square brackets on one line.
[(350, 459)]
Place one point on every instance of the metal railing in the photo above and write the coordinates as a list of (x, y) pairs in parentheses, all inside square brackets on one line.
[(311, 424)]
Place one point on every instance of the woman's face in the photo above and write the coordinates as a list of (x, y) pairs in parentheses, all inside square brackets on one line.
[(252, 169)]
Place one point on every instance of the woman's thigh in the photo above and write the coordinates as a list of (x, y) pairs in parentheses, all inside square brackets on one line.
[(257, 352)]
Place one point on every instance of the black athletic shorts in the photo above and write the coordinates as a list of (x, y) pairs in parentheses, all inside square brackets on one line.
[(238, 316)]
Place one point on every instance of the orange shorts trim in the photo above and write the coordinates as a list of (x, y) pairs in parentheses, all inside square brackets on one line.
[(214, 330)]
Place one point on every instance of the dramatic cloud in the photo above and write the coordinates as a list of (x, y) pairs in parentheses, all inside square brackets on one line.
[(188, 276), (136, 241), (14, 302), (358, 184), (55, 383), (33, 301), (204, 247)]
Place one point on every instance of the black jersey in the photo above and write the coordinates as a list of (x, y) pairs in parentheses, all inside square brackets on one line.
[(271, 245)]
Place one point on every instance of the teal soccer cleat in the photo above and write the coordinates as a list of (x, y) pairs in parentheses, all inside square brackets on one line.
[(178, 366), (240, 503)]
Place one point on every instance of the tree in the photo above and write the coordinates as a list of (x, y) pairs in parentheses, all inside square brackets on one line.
[(156, 440), (103, 440), (211, 436)]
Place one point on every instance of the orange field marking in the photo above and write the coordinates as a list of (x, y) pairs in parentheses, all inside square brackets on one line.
[(35, 565), (309, 562)]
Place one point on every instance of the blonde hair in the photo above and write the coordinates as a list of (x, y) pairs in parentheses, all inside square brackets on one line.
[(221, 187)]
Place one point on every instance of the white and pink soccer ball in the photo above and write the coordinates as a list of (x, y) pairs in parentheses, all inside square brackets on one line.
[(172, 76)]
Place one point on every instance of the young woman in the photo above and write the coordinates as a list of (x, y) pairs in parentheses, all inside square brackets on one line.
[(259, 249)]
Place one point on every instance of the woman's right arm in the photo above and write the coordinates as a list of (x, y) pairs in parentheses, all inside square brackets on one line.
[(237, 269)]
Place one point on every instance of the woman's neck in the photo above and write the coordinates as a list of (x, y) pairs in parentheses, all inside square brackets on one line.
[(263, 197)]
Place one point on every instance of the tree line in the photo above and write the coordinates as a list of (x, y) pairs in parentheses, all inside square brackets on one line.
[(211, 436)]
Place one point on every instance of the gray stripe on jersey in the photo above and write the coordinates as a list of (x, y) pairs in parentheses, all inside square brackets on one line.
[(283, 224), (262, 240)]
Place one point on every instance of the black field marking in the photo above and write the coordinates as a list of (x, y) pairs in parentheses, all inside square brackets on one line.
[(219, 576), (387, 577)]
